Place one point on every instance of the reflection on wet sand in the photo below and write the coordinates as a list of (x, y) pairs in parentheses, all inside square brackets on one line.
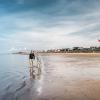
[(35, 68)]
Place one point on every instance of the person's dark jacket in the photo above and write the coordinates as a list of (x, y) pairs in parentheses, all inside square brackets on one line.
[(31, 56)]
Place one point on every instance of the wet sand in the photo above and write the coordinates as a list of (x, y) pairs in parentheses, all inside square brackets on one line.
[(72, 54), (63, 77), (71, 78)]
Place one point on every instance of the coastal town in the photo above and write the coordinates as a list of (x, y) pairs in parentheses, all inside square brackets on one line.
[(92, 49), (74, 50)]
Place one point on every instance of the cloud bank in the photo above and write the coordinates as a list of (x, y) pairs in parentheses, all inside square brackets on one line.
[(45, 24)]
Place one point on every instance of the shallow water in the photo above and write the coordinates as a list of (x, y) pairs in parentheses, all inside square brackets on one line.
[(13, 73), (62, 78)]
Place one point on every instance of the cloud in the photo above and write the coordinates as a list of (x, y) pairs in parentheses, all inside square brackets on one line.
[(43, 24), (13, 49), (16, 49), (20, 1), (90, 26)]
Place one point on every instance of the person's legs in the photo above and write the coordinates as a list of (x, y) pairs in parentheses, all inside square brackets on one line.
[(32, 61)]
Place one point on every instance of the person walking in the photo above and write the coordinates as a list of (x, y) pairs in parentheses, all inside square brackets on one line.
[(31, 57)]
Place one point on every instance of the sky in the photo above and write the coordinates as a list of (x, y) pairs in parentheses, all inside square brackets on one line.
[(47, 24)]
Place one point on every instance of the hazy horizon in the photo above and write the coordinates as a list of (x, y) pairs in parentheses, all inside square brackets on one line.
[(46, 24)]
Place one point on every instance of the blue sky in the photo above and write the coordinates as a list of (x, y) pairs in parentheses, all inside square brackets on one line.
[(45, 24)]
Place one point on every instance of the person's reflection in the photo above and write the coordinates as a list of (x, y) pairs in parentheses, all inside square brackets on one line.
[(32, 74)]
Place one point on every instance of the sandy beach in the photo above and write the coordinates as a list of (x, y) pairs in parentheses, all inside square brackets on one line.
[(63, 77), (69, 77), (72, 76), (72, 54)]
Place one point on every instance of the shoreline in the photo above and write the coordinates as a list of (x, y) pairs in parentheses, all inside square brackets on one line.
[(63, 54), (72, 54)]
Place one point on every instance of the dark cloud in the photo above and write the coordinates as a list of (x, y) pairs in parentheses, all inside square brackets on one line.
[(54, 7), (39, 20)]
